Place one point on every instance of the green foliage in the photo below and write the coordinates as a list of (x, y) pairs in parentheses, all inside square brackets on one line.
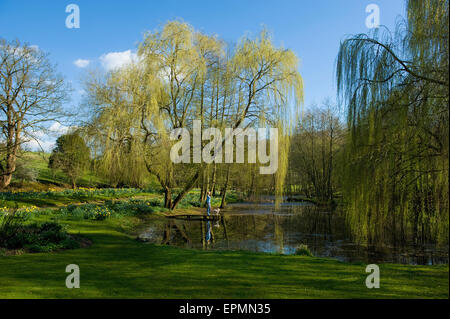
[(132, 207), (76, 194), (395, 163), (192, 200), (71, 155), (45, 237), (120, 208), (303, 250), (86, 211), (314, 148), (99, 213), (120, 266), (47, 177), (24, 172), (184, 75), (22, 213)]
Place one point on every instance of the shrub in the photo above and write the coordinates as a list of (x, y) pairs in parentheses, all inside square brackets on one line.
[(71, 155), (45, 237), (156, 202), (101, 213), (25, 173), (303, 250)]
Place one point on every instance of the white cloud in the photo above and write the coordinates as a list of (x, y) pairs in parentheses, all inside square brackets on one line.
[(58, 129), (35, 145), (81, 63), (114, 60), (45, 139), (81, 92)]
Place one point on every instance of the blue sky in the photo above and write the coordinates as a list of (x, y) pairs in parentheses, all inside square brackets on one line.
[(312, 29)]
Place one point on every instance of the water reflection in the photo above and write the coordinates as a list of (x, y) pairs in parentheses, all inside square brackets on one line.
[(208, 231), (261, 227)]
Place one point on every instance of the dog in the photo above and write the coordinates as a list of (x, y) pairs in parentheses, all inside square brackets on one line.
[(216, 211)]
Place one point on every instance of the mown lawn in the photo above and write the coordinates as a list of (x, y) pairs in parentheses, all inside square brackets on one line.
[(39, 162), (118, 266)]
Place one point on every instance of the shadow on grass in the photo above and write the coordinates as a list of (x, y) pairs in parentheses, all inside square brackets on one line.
[(118, 266)]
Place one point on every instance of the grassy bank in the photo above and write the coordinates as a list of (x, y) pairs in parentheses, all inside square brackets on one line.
[(55, 198), (116, 265), (45, 177)]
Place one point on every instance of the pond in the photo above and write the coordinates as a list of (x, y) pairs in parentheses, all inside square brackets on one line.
[(262, 227)]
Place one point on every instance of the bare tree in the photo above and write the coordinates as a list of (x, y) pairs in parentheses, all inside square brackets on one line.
[(317, 140), (31, 95)]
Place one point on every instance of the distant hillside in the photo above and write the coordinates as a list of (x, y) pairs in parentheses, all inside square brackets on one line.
[(46, 178), (38, 161)]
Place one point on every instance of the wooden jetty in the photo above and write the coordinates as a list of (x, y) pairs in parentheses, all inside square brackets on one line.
[(195, 217)]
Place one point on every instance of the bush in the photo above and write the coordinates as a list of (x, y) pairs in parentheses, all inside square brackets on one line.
[(25, 173), (303, 250), (23, 213), (101, 213), (45, 237), (156, 202)]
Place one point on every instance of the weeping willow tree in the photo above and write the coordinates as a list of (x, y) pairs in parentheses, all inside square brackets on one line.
[(120, 104), (395, 88), (184, 75), (273, 93)]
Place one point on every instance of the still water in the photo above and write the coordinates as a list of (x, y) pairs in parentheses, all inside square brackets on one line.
[(263, 228)]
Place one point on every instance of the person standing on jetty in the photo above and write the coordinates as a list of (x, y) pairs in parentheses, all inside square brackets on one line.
[(208, 203)]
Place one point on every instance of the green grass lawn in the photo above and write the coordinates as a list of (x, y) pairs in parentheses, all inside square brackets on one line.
[(118, 266), (39, 162)]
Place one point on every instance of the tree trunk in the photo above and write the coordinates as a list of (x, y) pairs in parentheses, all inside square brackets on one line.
[(205, 184), (202, 187), (5, 178), (13, 131), (167, 197), (186, 190), (213, 182), (224, 190)]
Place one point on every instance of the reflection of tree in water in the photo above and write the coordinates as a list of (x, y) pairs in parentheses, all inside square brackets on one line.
[(283, 230), (225, 234), (278, 233), (174, 232)]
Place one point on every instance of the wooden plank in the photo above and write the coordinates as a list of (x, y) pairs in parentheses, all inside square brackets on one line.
[(195, 217)]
